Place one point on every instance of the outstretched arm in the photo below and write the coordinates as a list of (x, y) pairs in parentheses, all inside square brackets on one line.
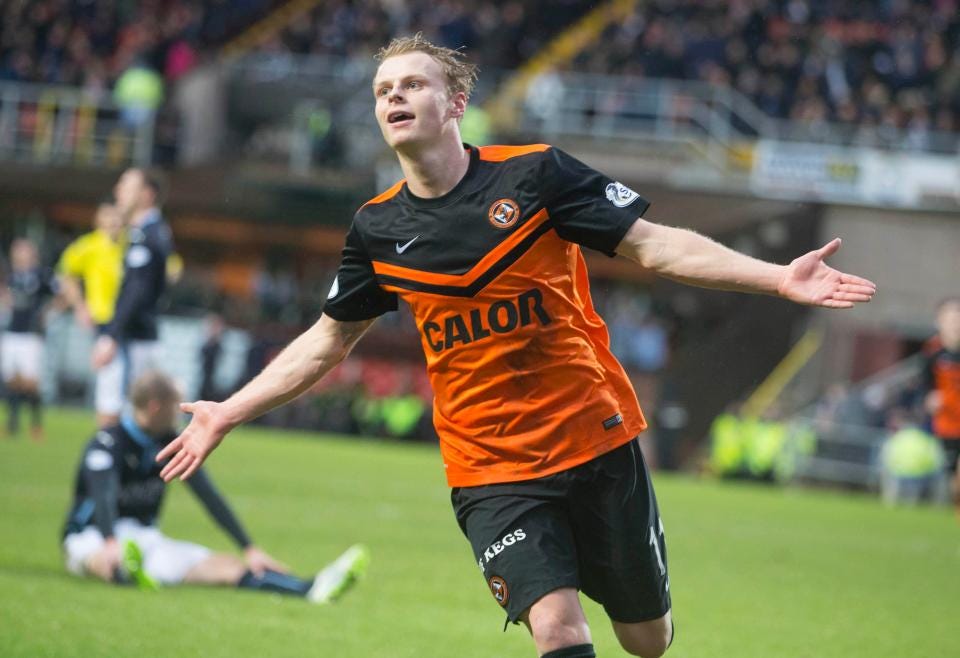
[(691, 258), (217, 507), (297, 368)]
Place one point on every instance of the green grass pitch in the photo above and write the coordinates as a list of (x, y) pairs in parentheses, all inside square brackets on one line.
[(755, 571)]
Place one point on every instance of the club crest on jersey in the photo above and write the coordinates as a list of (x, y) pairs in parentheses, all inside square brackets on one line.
[(498, 587), (620, 195), (504, 213)]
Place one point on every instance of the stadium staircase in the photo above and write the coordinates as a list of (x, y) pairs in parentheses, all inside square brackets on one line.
[(561, 50), (268, 27)]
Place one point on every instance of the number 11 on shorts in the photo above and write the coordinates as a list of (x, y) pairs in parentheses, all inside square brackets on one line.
[(655, 544)]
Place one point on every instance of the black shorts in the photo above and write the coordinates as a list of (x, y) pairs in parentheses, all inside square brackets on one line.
[(594, 527), (951, 450)]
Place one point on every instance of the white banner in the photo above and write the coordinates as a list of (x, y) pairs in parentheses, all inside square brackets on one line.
[(813, 171), (850, 175)]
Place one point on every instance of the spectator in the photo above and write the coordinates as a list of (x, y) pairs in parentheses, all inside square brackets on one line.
[(912, 465), (941, 384), (210, 357), (139, 92)]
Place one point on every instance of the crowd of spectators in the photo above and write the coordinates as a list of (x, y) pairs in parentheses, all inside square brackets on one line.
[(90, 43), (887, 70), (495, 34)]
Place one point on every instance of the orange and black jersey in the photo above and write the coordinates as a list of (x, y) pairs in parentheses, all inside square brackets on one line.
[(942, 374), (525, 384)]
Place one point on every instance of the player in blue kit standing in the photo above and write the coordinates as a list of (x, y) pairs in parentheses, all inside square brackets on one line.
[(128, 345), (29, 288)]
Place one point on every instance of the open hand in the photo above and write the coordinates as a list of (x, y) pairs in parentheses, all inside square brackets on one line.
[(189, 450), (809, 280)]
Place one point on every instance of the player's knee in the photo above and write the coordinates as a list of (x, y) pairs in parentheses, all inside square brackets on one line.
[(555, 623), (555, 634), (647, 640), (647, 646)]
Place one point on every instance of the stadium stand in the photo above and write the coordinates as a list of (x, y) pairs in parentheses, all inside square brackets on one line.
[(883, 71), (90, 44)]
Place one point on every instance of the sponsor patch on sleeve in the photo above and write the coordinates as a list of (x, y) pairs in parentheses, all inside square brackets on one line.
[(620, 195), (99, 460), (138, 256)]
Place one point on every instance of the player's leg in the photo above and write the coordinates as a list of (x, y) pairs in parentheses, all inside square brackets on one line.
[(954, 457), (648, 639), (216, 569), (558, 625), (951, 453), (108, 392), (223, 569), (523, 543), (32, 367), (143, 355), (621, 549), (86, 554), (9, 357), (13, 407)]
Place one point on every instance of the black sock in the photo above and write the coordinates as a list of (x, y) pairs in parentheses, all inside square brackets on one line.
[(13, 411), (576, 651), (274, 581), (36, 409), (121, 577)]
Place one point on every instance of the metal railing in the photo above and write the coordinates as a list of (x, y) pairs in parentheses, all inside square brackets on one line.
[(840, 453), (70, 126), (716, 119), (843, 451), (625, 107)]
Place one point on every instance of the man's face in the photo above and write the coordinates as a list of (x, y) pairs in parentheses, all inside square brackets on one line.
[(23, 255), (413, 106), (161, 417), (130, 192), (948, 324), (109, 220)]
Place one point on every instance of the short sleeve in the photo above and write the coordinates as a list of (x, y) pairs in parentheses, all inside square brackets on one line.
[(72, 260), (355, 294), (585, 206)]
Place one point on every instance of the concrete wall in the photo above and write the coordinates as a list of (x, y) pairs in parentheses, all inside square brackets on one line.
[(913, 257)]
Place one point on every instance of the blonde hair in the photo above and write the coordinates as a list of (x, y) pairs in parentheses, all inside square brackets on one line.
[(153, 386), (461, 75)]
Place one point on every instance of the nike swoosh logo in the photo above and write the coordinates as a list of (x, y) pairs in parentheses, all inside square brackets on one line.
[(403, 248)]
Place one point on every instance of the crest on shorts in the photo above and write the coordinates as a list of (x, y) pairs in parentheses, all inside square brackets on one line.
[(503, 213), (498, 587)]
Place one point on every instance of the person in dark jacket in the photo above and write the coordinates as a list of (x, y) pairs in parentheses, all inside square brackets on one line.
[(111, 529)]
